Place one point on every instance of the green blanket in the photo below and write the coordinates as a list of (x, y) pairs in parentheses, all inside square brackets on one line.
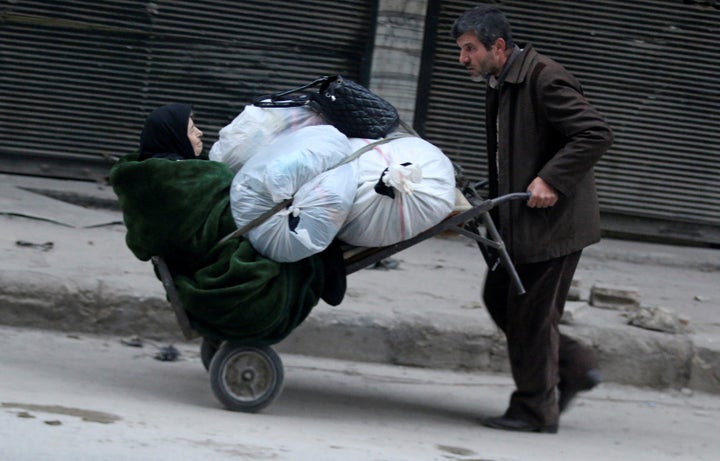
[(179, 210)]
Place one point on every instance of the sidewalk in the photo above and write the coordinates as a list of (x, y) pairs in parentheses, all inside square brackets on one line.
[(66, 267)]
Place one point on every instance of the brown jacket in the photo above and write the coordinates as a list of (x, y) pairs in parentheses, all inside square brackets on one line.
[(547, 129)]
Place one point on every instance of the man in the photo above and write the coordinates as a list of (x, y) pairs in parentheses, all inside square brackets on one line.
[(543, 137)]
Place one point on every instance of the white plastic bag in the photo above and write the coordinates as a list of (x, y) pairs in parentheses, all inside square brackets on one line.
[(279, 169), (311, 222), (415, 191), (256, 127), (297, 165)]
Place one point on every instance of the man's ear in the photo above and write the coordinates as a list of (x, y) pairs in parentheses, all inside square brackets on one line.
[(500, 45)]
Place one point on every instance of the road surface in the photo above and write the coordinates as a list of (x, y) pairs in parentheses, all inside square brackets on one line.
[(78, 397)]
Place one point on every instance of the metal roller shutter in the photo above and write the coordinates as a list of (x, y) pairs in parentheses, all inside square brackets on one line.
[(77, 78), (652, 69)]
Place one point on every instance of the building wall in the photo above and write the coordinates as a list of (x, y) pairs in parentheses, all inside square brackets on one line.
[(398, 52)]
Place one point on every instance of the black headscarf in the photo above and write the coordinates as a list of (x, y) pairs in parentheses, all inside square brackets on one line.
[(165, 134)]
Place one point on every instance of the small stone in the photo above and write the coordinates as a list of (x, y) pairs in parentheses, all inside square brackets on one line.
[(472, 305), (575, 294), (684, 323), (613, 297), (578, 292), (573, 311), (132, 341), (655, 318), (167, 354)]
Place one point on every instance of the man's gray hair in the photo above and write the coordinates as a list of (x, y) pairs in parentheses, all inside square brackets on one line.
[(487, 23)]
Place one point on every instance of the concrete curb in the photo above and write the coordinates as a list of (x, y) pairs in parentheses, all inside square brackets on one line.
[(628, 355)]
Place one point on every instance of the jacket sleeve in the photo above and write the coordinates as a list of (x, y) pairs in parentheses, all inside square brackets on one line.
[(585, 134)]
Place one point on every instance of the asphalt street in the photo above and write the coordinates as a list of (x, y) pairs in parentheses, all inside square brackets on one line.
[(79, 397)]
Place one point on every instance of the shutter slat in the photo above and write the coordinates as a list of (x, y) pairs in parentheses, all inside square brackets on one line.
[(79, 77)]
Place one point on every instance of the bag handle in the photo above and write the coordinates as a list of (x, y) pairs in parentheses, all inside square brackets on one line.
[(281, 99)]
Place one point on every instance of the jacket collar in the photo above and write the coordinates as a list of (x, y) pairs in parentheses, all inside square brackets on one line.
[(518, 65)]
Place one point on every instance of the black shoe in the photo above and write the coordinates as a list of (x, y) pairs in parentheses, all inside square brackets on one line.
[(568, 391), (515, 424)]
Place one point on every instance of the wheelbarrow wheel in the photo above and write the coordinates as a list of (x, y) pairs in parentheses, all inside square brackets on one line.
[(208, 349), (246, 378)]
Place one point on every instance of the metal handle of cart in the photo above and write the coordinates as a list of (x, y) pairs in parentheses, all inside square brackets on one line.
[(457, 223)]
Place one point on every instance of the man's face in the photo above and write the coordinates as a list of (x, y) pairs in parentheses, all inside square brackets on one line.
[(479, 62)]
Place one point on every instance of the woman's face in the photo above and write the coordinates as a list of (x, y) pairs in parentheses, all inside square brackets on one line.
[(195, 135)]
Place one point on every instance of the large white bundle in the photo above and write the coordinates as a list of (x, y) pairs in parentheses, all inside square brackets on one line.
[(419, 176), (295, 166), (310, 223), (256, 127), (292, 159)]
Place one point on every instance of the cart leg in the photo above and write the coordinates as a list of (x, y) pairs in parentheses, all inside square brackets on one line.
[(208, 349), (504, 256)]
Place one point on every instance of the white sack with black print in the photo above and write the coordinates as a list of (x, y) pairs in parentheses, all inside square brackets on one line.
[(311, 222), (405, 187), (297, 166)]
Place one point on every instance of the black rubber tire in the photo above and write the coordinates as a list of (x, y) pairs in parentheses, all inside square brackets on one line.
[(246, 378), (208, 349)]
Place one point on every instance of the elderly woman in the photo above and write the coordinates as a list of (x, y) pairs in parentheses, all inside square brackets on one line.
[(176, 205), (170, 133)]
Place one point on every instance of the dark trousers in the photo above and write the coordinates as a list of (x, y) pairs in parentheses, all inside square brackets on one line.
[(540, 357)]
